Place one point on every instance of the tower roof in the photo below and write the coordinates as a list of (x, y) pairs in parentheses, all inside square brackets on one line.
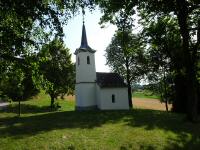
[(84, 44)]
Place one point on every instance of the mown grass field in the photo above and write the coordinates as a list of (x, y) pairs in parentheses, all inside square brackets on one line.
[(39, 128)]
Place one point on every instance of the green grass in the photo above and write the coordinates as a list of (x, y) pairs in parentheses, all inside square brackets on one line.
[(39, 128), (145, 94)]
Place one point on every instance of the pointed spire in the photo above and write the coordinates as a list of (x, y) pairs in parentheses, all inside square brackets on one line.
[(84, 43)]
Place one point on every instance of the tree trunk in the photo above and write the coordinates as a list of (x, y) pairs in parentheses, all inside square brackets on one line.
[(165, 89), (192, 95), (198, 82), (19, 108), (179, 104), (166, 105), (165, 94), (189, 63), (198, 90), (129, 85), (52, 101), (130, 96)]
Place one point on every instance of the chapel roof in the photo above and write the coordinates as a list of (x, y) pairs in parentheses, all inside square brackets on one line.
[(84, 47), (110, 80)]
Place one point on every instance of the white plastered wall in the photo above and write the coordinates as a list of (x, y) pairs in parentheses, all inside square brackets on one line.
[(85, 94), (85, 89), (105, 98), (85, 72), (98, 96)]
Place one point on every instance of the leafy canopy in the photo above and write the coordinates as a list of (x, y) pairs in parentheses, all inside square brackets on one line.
[(56, 69)]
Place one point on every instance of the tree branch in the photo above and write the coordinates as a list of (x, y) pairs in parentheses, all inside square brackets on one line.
[(12, 58)]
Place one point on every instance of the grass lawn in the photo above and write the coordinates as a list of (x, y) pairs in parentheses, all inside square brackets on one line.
[(38, 128), (145, 94)]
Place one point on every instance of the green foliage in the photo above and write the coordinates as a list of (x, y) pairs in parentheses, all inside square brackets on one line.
[(125, 56), (173, 33), (117, 12), (153, 87), (56, 71), (16, 82), (26, 25), (20, 20), (167, 89), (130, 59), (163, 55), (11, 83)]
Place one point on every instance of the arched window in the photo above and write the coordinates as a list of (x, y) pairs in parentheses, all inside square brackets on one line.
[(78, 61), (88, 60), (113, 98)]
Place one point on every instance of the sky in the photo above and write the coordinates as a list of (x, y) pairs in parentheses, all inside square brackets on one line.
[(98, 38)]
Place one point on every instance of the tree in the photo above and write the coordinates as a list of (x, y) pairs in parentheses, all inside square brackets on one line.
[(126, 59), (16, 82), (20, 20), (11, 84), (25, 25), (57, 73), (186, 13), (32, 23), (163, 38), (124, 22)]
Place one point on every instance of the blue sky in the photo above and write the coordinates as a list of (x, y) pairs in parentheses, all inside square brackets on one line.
[(97, 37)]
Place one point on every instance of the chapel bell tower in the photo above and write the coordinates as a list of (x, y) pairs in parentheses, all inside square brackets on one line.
[(85, 75)]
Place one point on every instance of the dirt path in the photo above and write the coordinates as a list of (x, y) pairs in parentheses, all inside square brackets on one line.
[(148, 103)]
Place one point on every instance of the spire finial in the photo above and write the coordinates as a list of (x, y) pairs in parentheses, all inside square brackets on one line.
[(83, 13)]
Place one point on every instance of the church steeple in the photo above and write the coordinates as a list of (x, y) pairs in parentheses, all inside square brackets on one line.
[(84, 43)]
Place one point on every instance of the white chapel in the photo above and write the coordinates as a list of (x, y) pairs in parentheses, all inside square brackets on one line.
[(97, 90)]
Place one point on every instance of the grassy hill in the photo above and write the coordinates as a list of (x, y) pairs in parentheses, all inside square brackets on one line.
[(40, 128)]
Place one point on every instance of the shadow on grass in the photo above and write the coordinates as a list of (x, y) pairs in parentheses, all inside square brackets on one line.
[(148, 119), (25, 108)]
